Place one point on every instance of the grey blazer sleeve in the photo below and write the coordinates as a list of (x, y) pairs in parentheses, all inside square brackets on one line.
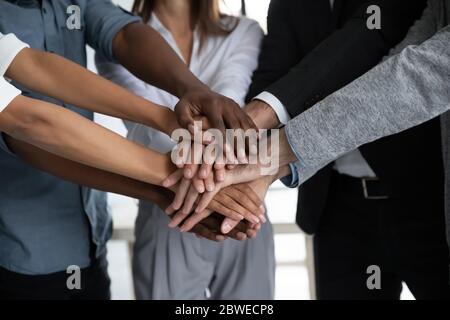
[(406, 90)]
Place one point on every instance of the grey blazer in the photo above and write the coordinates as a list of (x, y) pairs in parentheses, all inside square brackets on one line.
[(410, 87)]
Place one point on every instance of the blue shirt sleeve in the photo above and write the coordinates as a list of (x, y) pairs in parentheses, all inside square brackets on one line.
[(291, 181), (103, 21)]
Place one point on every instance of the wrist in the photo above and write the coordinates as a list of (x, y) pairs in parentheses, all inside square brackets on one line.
[(170, 122), (262, 114), (167, 168), (197, 86)]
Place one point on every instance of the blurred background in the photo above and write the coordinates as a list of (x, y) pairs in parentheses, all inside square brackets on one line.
[(294, 275)]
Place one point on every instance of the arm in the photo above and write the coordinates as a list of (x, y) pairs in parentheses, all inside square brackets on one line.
[(345, 55), (101, 180), (49, 76), (404, 91), (140, 49), (71, 136)]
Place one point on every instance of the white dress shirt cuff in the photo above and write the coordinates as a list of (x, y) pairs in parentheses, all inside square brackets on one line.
[(277, 106), (10, 46), (7, 93)]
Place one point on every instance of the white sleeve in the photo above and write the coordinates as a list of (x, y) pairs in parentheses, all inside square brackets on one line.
[(10, 46), (7, 93), (277, 106), (234, 76)]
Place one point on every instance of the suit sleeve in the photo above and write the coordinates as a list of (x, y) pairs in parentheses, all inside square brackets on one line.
[(279, 51), (404, 91), (345, 55)]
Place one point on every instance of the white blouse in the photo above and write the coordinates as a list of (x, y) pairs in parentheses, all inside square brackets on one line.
[(10, 46), (225, 64)]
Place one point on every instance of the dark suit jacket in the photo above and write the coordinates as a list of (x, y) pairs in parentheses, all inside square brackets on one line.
[(310, 52)]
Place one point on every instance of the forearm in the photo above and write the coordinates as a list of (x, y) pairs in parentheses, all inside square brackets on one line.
[(87, 176), (86, 90), (134, 47), (404, 91), (71, 136)]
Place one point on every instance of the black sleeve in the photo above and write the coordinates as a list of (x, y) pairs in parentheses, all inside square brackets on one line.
[(347, 54), (280, 50)]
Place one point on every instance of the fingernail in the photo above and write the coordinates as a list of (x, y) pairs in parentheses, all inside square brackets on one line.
[(188, 173), (221, 177), (263, 218), (262, 209), (203, 174), (165, 183), (226, 227), (210, 187), (191, 128)]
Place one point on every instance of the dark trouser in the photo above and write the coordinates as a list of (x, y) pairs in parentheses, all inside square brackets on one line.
[(404, 237), (95, 285)]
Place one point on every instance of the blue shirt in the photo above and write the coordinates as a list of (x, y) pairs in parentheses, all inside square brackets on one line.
[(47, 224)]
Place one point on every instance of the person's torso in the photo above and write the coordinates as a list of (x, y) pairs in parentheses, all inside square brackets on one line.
[(204, 64), (43, 222), (407, 163)]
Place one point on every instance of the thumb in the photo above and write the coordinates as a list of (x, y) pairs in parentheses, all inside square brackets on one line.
[(184, 116)]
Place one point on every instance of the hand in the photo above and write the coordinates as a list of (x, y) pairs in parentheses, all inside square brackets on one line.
[(236, 203), (260, 187), (248, 206), (209, 228), (221, 112)]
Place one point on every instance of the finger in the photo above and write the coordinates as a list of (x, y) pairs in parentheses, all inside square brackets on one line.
[(218, 207), (173, 179), (194, 219), (213, 222), (170, 210), (219, 173), (181, 193), (191, 166), (190, 200), (203, 232), (198, 184), (228, 225), (184, 114), (247, 198), (231, 118), (205, 199), (248, 123), (229, 201), (216, 121), (182, 158), (234, 234), (205, 170), (209, 183)]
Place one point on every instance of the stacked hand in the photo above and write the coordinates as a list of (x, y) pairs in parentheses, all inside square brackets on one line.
[(238, 198), (217, 193)]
